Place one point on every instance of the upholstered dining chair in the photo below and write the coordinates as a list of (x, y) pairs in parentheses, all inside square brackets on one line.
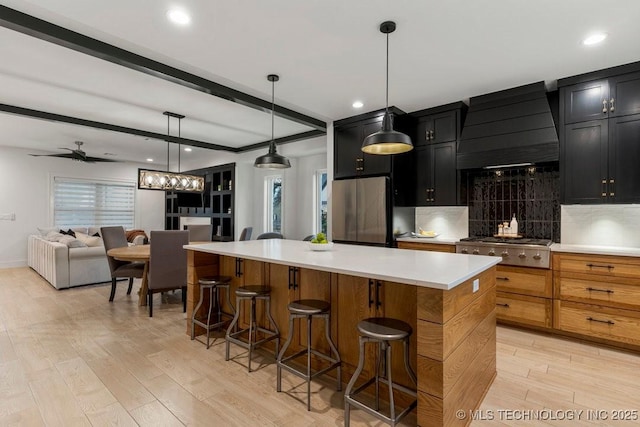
[(200, 232), (308, 238), (115, 237), (167, 265), (270, 235), (246, 234)]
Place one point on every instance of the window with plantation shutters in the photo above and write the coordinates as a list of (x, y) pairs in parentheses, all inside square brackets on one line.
[(87, 203)]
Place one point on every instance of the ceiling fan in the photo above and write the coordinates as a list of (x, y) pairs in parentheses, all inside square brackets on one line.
[(76, 154)]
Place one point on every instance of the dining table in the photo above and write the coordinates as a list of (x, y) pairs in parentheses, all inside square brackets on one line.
[(139, 253)]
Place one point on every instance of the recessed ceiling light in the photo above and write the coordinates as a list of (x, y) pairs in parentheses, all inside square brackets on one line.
[(357, 104), (594, 39), (149, 160), (188, 149), (179, 16)]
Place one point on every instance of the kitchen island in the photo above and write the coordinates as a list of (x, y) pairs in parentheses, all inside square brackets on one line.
[(449, 299)]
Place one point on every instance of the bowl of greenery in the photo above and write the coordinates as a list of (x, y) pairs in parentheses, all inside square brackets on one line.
[(320, 243)]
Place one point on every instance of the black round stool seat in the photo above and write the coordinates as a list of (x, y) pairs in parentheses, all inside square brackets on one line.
[(214, 280), (309, 307), (253, 291), (384, 328)]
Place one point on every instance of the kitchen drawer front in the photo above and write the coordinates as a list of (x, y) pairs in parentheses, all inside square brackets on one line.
[(610, 266), (434, 247), (523, 309), (527, 281), (597, 321), (604, 292)]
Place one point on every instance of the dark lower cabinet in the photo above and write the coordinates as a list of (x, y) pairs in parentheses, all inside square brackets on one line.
[(436, 175)]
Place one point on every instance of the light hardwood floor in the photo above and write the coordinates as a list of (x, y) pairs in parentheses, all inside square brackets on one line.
[(72, 358)]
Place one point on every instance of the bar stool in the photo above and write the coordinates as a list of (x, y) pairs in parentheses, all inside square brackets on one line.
[(381, 330), (252, 293), (212, 284), (300, 309)]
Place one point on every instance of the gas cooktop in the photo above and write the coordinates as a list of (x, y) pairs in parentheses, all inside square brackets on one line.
[(515, 241)]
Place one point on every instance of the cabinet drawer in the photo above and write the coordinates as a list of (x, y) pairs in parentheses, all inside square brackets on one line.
[(528, 281), (434, 247), (610, 266), (522, 309), (599, 292), (598, 321)]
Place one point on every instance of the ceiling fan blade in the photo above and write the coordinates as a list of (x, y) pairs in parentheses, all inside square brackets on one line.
[(65, 155), (98, 159)]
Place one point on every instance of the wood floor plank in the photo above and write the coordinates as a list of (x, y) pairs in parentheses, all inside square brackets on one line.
[(72, 358)]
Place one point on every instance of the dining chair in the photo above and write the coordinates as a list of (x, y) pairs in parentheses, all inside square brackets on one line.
[(309, 238), (270, 235), (200, 232), (167, 264), (115, 237), (245, 234)]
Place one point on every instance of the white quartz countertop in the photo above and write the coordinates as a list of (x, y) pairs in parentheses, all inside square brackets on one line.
[(443, 240), (422, 268), (596, 250)]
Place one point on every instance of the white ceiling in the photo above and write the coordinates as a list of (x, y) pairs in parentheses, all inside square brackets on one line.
[(328, 54)]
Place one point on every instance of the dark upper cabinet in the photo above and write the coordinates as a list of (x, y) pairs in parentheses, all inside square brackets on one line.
[(599, 158), (436, 128), (586, 101), (349, 160), (623, 185), (584, 162), (436, 175), (600, 99)]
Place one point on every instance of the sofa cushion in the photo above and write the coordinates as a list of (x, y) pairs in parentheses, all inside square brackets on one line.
[(90, 241), (93, 231), (94, 252), (43, 231), (72, 242), (53, 236)]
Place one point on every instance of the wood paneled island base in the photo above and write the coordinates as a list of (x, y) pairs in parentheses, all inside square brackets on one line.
[(454, 342)]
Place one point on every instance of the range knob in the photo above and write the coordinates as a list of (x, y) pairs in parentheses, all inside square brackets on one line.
[(464, 251), (491, 252), (505, 254), (522, 255), (476, 251), (537, 257)]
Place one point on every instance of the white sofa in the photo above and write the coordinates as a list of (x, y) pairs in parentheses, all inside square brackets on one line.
[(65, 267)]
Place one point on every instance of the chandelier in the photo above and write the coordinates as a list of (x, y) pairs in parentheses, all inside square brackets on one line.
[(166, 180)]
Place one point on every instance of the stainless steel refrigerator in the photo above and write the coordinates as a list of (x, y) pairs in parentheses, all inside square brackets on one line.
[(361, 210)]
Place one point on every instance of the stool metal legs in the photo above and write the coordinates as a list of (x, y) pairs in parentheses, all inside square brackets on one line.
[(384, 350), (213, 297), (252, 342), (308, 375)]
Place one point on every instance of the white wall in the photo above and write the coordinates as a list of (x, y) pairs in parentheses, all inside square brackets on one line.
[(25, 192), (447, 221), (600, 225)]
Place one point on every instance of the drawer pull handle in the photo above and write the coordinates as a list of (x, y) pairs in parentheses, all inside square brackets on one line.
[(609, 291), (502, 305), (506, 279), (608, 267), (608, 322)]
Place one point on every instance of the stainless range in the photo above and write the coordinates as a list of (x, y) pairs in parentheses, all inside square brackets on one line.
[(518, 252)]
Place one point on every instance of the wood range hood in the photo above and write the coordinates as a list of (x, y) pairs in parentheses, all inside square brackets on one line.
[(511, 127)]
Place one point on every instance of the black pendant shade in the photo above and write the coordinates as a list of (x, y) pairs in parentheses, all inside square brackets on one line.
[(272, 160), (387, 141)]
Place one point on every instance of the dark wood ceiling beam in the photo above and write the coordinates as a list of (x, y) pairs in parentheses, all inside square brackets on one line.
[(43, 115), (35, 27)]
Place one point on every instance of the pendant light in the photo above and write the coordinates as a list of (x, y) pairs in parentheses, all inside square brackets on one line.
[(386, 140), (272, 160)]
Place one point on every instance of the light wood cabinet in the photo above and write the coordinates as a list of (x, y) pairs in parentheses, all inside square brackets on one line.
[(426, 246), (598, 296), (524, 296), (243, 272)]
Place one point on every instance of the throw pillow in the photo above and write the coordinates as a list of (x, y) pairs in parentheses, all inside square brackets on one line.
[(96, 234), (90, 241), (53, 236), (43, 231), (71, 242)]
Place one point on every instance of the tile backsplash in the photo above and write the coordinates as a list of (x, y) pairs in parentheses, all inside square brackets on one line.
[(447, 221), (601, 225), (532, 193)]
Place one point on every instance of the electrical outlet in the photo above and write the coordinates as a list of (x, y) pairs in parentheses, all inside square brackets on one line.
[(476, 285)]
